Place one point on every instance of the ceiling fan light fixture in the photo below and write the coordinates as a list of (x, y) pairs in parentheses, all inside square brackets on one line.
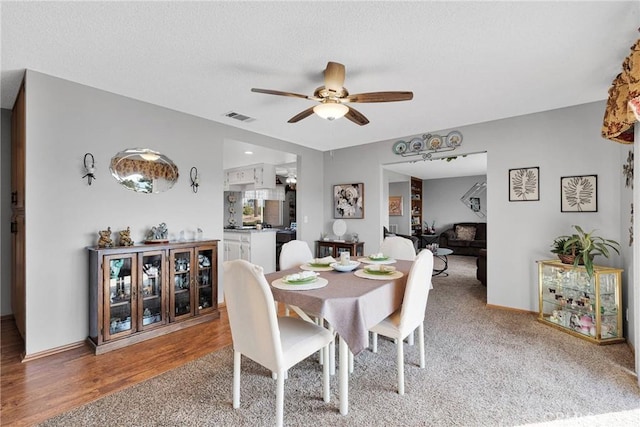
[(331, 110)]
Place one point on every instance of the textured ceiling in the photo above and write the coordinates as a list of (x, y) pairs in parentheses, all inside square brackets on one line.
[(466, 62)]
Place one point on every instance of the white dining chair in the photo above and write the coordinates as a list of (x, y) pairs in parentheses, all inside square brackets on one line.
[(277, 343), (294, 253), (398, 247), (410, 315), (401, 248)]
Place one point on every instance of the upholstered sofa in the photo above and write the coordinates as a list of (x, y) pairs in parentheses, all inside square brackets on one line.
[(415, 240), (465, 238)]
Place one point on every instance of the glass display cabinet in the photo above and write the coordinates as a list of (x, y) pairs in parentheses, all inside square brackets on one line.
[(151, 303), (140, 292), (586, 307)]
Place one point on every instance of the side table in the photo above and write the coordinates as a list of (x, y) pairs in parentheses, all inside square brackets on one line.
[(441, 254), (332, 248)]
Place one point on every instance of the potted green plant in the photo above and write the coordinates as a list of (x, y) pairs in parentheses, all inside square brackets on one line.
[(581, 247)]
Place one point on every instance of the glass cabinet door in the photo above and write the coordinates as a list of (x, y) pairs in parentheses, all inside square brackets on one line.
[(151, 301), (206, 276), (182, 281), (120, 287)]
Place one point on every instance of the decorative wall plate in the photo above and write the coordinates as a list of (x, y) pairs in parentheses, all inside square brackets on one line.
[(232, 198), (434, 142), (417, 144), (454, 139), (400, 147)]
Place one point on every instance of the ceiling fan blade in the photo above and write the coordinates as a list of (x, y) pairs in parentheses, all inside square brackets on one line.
[(277, 92), (334, 76), (379, 97), (356, 117), (303, 115)]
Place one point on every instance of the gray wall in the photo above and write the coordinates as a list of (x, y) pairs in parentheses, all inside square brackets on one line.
[(441, 201), (561, 142), (65, 120), (5, 214)]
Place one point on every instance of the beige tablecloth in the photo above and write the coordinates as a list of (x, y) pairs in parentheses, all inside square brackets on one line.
[(349, 303)]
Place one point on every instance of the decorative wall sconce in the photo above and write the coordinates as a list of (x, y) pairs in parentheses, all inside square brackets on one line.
[(428, 144), (195, 180), (89, 168)]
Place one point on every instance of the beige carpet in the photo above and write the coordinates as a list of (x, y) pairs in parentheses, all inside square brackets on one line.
[(485, 367)]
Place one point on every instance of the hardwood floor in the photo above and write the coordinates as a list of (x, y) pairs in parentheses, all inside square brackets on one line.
[(34, 391)]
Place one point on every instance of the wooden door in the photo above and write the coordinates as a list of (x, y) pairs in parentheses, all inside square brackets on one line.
[(18, 267)]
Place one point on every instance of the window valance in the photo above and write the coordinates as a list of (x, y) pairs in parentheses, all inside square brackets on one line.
[(623, 105)]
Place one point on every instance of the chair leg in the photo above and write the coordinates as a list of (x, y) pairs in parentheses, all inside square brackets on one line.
[(280, 399), (374, 342), (410, 338), (400, 365), (325, 375), (236, 379), (350, 362), (421, 344)]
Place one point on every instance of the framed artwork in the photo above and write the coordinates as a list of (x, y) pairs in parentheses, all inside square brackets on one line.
[(348, 201), (395, 205), (524, 184), (579, 193)]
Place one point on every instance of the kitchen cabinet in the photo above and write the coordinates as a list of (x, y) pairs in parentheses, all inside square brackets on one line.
[(250, 177), (141, 292), (256, 246)]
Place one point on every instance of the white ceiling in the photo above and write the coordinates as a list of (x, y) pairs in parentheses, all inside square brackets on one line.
[(466, 62)]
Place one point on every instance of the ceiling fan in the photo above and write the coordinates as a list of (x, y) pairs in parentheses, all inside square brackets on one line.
[(333, 96)]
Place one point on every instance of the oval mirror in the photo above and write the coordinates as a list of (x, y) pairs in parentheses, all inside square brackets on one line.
[(144, 170)]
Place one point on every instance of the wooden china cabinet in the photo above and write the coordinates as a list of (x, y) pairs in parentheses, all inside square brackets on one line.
[(140, 292)]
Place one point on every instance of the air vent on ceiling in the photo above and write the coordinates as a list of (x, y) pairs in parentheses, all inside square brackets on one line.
[(238, 116)]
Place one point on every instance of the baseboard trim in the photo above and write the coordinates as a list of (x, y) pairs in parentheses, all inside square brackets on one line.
[(516, 310), (39, 355)]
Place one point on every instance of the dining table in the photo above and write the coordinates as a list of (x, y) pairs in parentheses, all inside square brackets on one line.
[(350, 302)]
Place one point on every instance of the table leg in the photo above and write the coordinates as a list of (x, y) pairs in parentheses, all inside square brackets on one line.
[(344, 377), (332, 354), (442, 271)]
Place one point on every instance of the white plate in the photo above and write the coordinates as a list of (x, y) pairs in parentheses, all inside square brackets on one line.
[(314, 268), (320, 283), (365, 275), (370, 261)]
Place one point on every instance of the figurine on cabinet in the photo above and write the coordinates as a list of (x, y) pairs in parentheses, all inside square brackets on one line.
[(125, 237), (158, 234), (105, 238)]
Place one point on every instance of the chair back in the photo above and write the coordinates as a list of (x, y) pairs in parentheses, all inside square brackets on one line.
[(416, 292), (252, 313), (294, 253), (398, 248)]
